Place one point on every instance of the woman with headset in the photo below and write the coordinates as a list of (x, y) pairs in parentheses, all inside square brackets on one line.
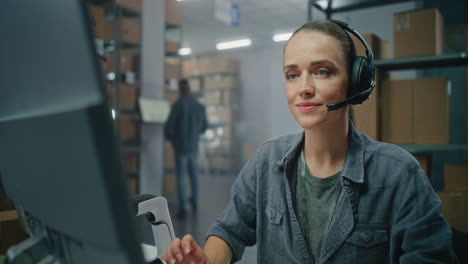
[(329, 194)]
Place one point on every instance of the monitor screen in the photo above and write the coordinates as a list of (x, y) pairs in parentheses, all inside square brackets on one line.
[(59, 156)]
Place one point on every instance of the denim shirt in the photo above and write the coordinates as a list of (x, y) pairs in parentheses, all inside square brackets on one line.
[(390, 213)]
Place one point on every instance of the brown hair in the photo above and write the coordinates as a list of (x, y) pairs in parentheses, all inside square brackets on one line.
[(331, 29), (184, 87)]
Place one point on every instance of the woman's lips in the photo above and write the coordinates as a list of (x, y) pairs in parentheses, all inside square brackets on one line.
[(307, 107)]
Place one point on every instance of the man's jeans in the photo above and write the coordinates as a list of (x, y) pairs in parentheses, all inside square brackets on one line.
[(186, 163)]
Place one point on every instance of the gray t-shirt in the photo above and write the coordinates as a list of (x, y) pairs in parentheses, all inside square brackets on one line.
[(316, 199)]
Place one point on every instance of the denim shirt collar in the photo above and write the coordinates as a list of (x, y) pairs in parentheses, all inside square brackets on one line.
[(354, 167)]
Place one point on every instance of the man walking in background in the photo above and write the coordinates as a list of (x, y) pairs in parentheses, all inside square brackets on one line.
[(187, 120)]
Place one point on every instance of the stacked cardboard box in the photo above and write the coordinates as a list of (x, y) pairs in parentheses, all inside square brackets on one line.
[(172, 66), (173, 12), (219, 87), (455, 196), (132, 186), (131, 30), (220, 81), (172, 46), (220, 114), (128, 129), (415, 111), (126, 61), (101, 26), (217, 64), (418, 33), (128, 94)]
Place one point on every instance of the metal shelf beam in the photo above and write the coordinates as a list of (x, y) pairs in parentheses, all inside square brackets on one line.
[(421, 62)]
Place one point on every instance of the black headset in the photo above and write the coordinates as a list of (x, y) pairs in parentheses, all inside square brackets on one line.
[(362, 77)]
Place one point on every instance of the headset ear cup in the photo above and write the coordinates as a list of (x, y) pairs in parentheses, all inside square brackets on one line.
[(356, 75), (362, 76)]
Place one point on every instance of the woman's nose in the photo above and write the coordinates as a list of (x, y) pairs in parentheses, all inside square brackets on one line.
[(307, 87)]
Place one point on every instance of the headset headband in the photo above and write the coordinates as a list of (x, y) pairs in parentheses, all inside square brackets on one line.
[(343, 25)]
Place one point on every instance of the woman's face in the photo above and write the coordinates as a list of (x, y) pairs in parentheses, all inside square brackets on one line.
[(316, 74)]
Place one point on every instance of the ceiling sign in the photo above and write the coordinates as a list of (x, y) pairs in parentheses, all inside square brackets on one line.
[(227, 12)]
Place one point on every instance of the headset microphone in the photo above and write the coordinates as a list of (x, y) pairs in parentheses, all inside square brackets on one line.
[(349, 100), (362, 74)]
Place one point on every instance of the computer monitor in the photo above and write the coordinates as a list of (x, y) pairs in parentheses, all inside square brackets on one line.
[(59, 156)]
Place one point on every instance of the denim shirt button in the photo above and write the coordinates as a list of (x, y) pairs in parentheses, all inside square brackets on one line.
[(366, 236)]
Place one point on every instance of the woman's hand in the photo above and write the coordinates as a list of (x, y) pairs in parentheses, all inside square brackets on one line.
[(185, 251)]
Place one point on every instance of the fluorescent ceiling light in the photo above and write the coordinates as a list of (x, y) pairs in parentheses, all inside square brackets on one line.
[(185, 51), (233, 44), (282, 37), (179, 0)]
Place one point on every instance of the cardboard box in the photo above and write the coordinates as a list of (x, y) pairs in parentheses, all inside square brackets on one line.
[(170, 184), (128, 129), (366, 116), (134, 5), (216, 64), (126, 61), (132, 186), (128, 94), (190, 67), (230, 98), (415, 111), (195, 85), (456, 178), (130, 161), (219, 81), (212, 97), (219, 114), (172, 68), (131, 30), (102, 28), (418, 33), (397, 111), (425, 161), (221, 64), (431, 111), (380, 48), (173, 12), (11, 232), (455, 209), (172, 46), (169, 156)]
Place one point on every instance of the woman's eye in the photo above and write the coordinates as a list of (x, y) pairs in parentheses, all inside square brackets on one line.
[(322, 73), (292, 76)]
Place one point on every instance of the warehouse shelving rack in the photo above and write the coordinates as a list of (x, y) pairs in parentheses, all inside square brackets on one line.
[(116, 78), (426, 62), (460, 59)]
